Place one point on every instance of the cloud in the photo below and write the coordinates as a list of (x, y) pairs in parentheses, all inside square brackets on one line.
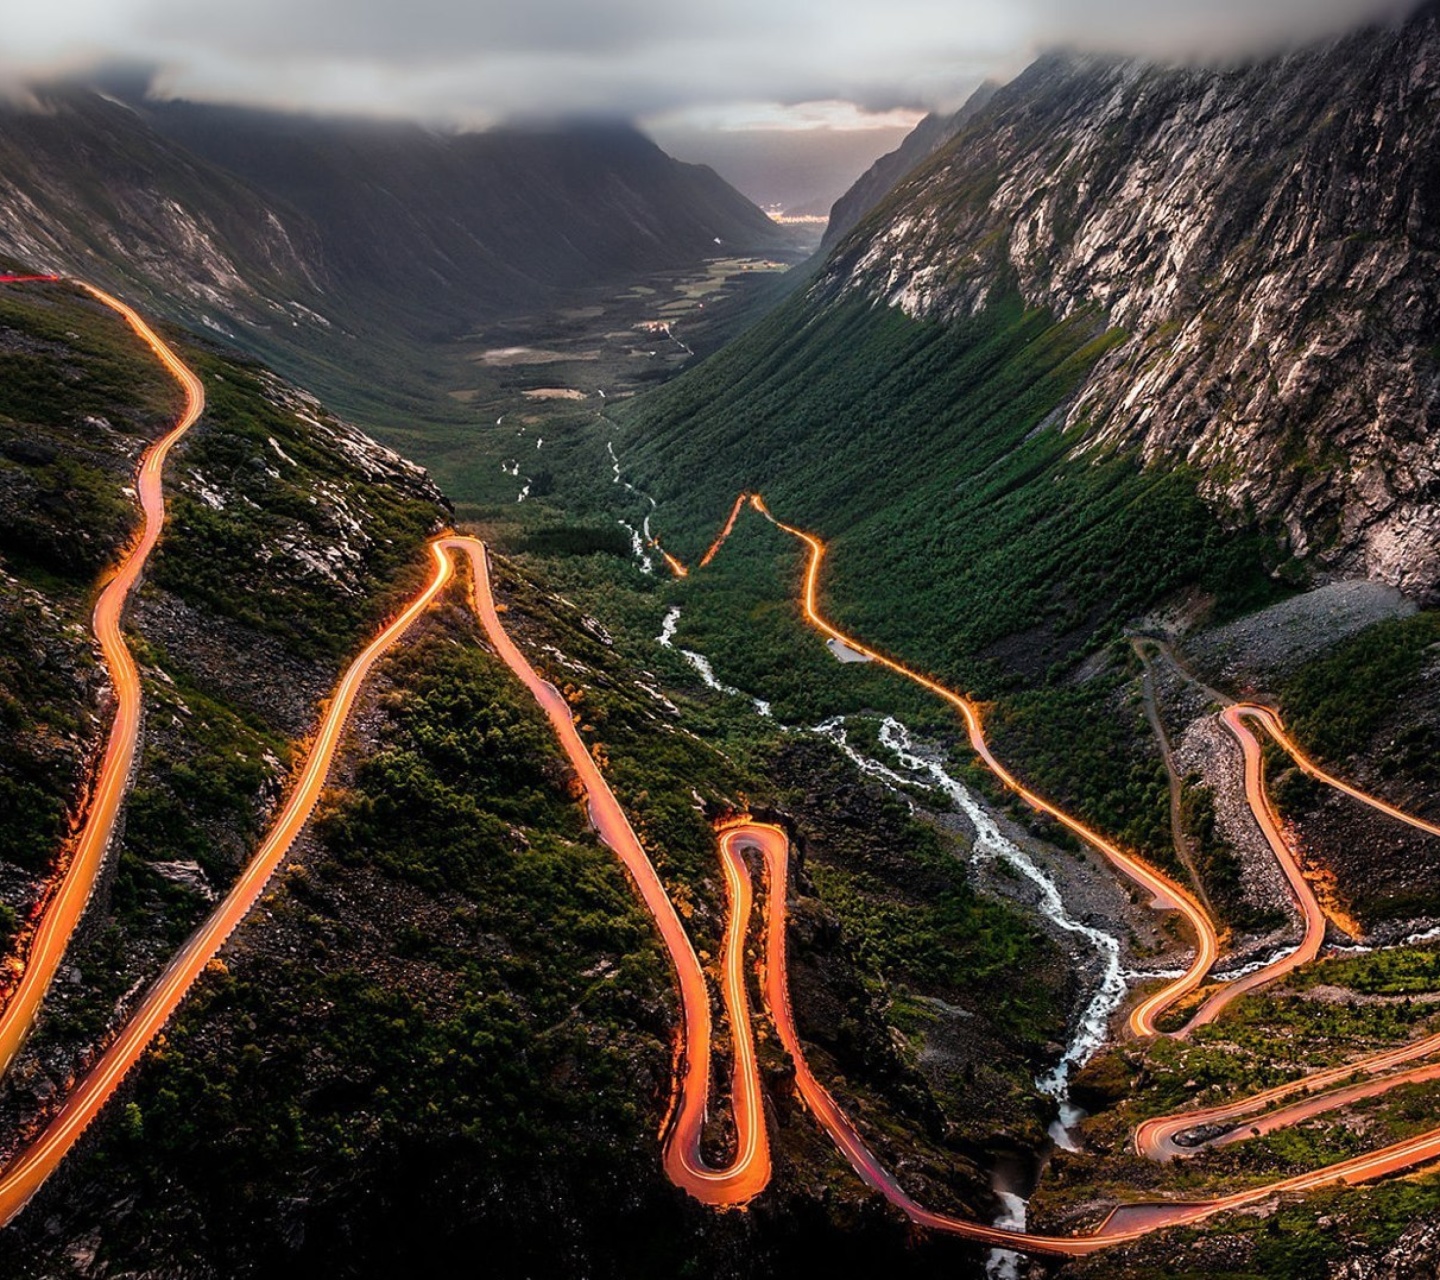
[(474, 60), (1214, 28)]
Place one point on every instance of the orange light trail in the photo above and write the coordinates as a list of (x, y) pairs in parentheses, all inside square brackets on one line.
[(1128, 1222), (1125, 1224), (25, 1175), (749, 1170), (724, 534), (66, 903), (1164, 891), (1269, 719), (1313, 915)]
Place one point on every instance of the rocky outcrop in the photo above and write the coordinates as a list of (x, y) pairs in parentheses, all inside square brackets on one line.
[(1267, 236), (1412, 1257)]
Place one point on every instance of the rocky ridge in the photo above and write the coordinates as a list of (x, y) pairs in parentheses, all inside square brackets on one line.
[(1267, 236)]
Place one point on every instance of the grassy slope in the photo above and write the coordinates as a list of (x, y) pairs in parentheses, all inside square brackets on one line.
[(498, 938), (450, 1034), (84, 400), (77, 401), (965, 536)]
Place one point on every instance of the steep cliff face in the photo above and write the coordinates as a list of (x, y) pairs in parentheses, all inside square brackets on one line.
[(91, 188), (1267, 237)]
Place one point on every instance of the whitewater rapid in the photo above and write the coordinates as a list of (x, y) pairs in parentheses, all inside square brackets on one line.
[(1092, 1029), (666, 640)]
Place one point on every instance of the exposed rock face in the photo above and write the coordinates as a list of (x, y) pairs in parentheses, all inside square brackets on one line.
[(1267, 236), (1414, 1256), (93, 190)]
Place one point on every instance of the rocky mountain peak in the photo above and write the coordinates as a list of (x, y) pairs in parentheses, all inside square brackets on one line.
[(1267, 237)]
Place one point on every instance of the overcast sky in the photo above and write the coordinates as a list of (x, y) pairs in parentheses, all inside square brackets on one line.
[(860, 71)]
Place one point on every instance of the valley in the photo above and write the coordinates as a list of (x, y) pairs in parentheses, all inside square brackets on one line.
[(914, 755), (749, 1173)]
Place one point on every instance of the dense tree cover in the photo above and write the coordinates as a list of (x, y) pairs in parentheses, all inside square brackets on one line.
[(447, 1032), (1336, 703), (574, 540), (1084, 748), (966, 532), (1404, 971), (968, 535), (504, 1028)]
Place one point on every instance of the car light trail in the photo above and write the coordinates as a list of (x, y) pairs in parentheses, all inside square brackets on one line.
[(1127, 1223), (25, 1175), (749, 1171), (66, 901), (729, 527), (1163, 890)]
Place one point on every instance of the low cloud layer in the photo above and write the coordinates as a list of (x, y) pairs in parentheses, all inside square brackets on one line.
[(475, 60)]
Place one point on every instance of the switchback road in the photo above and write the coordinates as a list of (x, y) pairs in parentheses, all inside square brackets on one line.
[(749, 1169)]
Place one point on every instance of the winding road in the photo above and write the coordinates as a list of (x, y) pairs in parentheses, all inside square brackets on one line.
[(1156, 1138), (65, 903), (749, 1169)]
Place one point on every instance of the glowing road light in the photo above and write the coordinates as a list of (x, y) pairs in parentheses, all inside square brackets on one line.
[(22, 1178), (1162, 889), (749, 1171), (1127, 1223), (66, 903), (726, 530), (1234, 718)]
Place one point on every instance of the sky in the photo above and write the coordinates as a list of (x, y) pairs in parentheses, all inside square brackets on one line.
[(789, 99)]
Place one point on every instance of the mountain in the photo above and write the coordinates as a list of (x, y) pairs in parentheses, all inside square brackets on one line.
[(932, 133), (309, 239), (1128, 316), (468, 224), (1265, 237), (1105, 408)]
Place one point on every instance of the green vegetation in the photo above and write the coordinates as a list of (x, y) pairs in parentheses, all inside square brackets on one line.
[(1336, 703), (77, 393), (459, 991), (1088, 750), (294, 498), (1297, 1241), (1405, 971), (574, 540), (456, 989), (963, 534), (39, 711), (953, 942)]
